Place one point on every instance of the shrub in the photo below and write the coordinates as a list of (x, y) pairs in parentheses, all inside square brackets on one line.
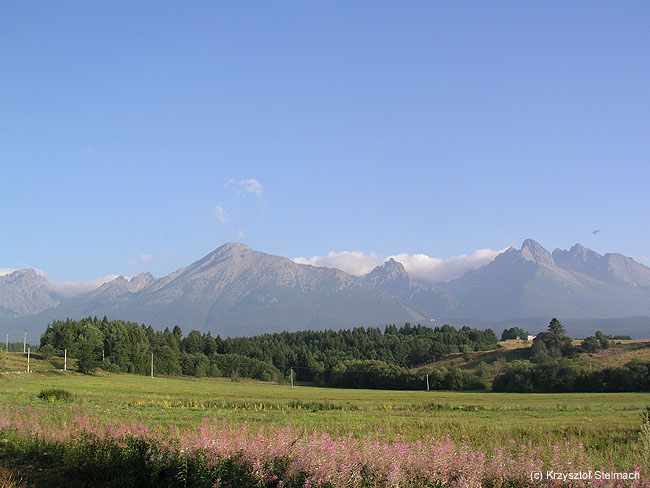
[(590, 345), (55, 394)]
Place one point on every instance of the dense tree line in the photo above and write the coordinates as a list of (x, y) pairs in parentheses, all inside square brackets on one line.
[(315, 355), (563, 375), (120, 346), (379, 374), (359, 357)]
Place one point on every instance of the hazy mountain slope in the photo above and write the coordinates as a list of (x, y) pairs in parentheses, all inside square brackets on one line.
[(25, 292), (238, 291), (235, 290), (528, 282), (611, 268)]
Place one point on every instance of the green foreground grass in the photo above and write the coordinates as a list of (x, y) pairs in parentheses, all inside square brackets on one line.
[(607, 424)]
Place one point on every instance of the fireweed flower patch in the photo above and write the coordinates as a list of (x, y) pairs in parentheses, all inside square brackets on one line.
[(221, 454)]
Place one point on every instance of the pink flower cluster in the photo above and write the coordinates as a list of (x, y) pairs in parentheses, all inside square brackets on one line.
[(340, 461)]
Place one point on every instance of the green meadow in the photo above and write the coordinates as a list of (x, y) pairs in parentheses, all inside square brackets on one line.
[(607, 423)]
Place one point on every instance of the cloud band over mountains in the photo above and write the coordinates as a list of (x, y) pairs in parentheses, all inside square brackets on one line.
[(419, 266)]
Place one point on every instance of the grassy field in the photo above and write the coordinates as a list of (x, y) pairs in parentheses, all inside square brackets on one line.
[(16, 362), (620, 353), (607, 424)]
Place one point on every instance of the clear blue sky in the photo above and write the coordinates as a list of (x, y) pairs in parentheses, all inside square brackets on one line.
[(391, 127)]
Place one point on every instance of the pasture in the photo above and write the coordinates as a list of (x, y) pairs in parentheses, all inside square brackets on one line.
[(607, 424), (402, 438)]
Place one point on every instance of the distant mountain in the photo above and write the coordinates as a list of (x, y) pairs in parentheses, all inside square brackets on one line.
[(25, 292), (238, 291), (120, 286), (235, 290), (610, 268), (577, 284)]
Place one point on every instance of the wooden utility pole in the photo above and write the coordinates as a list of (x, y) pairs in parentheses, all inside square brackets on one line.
[(291, 375), (152, 365), (28, 351)]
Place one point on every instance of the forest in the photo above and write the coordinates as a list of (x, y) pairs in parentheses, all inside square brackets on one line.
[(395, 358), (359, 357)]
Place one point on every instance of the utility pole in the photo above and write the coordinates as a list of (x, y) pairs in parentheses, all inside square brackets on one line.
[(24, 342), (7, 343), (427, 382), (152, 365), (291, 374), (65, 360), (28, 351)]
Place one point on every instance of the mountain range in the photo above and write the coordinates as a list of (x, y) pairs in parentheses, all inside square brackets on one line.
[(236, 290)]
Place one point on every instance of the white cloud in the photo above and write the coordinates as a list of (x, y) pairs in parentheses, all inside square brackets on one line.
[(419, 266), (353, 262), (73, 288), (432, 270), (220, 214), (252, 186), (6, 271)]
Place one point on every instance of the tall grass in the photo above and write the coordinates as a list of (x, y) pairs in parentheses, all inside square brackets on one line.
[(222, 453)]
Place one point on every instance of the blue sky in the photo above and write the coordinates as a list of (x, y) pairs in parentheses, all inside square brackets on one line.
[(142, 135)]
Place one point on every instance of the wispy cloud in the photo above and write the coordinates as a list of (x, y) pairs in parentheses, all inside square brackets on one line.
[(142, 258), (220, 214), (419, 266), (252, 185), (238, 207), (73, 288)]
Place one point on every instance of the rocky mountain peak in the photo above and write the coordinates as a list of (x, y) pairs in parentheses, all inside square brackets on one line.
[(25, 292), (533, 251), (578, 255), (140, 281), (233, 248), (391, 270)]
